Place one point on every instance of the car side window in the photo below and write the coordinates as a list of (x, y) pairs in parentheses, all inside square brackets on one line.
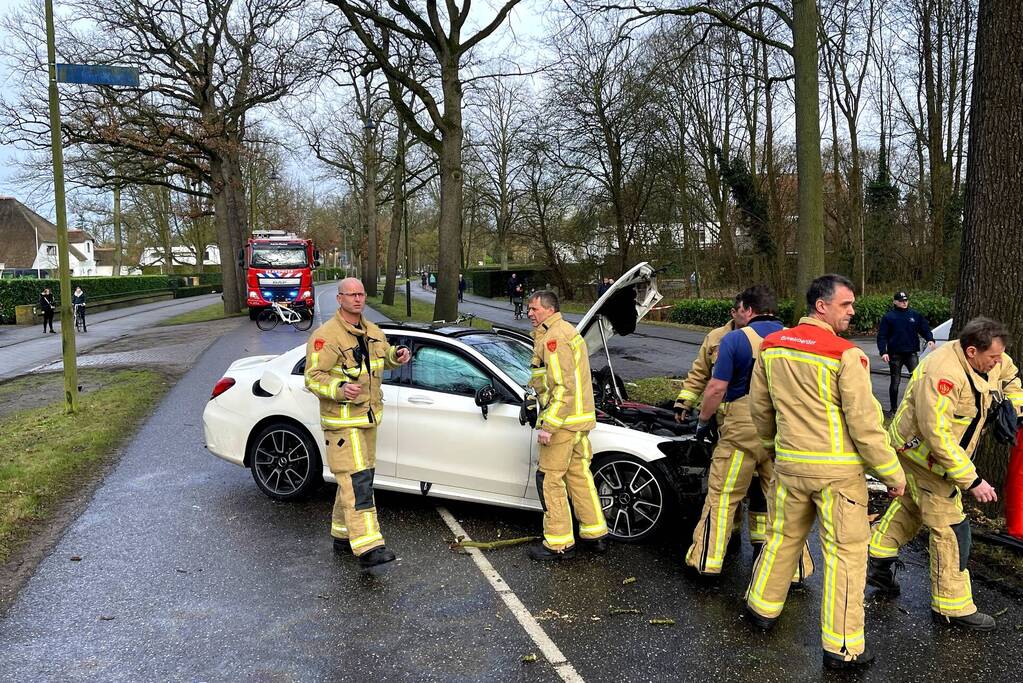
[(438, 369)]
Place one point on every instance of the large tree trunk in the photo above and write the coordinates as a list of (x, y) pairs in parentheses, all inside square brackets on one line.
[(397, 212), (450, 228), (939, 174), (231, 272), (810, 228), (992, 247), (237, 216)]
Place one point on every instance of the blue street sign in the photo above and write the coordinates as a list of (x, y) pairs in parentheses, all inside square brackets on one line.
[(97, 75)]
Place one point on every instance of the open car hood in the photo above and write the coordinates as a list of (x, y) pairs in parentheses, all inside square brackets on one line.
[(621, 307)]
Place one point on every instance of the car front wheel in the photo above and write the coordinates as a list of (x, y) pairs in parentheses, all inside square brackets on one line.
[(634, 495), (285, 462)]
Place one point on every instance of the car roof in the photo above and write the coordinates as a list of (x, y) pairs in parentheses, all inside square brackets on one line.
[(450, 331)]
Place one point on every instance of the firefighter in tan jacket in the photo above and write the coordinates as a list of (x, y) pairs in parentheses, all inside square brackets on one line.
[(812, 403), (936, 429), (345, 362), (561, 378)]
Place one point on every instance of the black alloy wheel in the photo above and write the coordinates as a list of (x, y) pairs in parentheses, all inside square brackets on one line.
[(634, 495), (285, 462)]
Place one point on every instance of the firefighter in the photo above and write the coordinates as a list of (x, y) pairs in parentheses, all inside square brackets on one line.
[(561, 378), (692, 394), (937, 428), (345, 360), (812, 404), (738, 454)]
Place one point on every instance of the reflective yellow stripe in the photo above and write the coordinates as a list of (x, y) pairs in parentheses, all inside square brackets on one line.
[(757, 527), (877, 546), (952, 603), (599, 529), (888, 468), (335, 422), (801, 357), (353, 434), (830, 561), (366, 540), (817, 458), (1015, 399), (755, 593), (339, 531), (944, 433), (839, 640), (558, 540), (717, 555), (686, 395)]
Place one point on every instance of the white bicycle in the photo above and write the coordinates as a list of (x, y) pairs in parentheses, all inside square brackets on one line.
[(299, 317)]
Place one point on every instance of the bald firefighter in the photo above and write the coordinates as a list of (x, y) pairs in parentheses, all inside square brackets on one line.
[(561, 378), (739, 454), (812, 403), (345, 362), (937, 429)]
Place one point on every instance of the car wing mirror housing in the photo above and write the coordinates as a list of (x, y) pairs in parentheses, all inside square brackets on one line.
[(484, 397), (529, 411), (271, 382)]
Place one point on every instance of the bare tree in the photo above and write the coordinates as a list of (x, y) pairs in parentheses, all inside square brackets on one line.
[(438, 27)]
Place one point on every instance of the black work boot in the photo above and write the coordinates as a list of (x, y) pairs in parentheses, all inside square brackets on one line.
[(760, 621), (379, 555), (541, 553), (342, 546), (595, 545), (833, 660), (978, 621), (881, 575)]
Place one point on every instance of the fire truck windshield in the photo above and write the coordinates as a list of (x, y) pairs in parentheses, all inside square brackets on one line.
[(279, 256)]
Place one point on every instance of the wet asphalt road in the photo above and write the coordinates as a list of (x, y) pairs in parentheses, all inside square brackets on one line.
[(188, 573)]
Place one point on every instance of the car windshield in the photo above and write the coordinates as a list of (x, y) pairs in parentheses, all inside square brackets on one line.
[(279, 256), (510, 355)]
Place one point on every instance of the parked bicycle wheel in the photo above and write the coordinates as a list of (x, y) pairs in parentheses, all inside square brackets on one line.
[(305, 319), (267, 319), (79, 320)]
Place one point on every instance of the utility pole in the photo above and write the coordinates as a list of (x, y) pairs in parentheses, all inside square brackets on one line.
[(67, 325)]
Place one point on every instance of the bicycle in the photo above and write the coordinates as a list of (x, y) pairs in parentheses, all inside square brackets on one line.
[(518, 309), (79, 315), (298, 317)]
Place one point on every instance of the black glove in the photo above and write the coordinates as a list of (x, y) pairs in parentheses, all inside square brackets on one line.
[(707, 431)]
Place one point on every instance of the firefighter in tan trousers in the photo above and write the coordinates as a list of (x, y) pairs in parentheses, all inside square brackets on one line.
[(561, 378), (738, 454), (691, 396), (345, 361), (937, 428), (812, 402)]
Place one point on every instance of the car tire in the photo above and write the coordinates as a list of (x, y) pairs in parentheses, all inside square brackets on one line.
[(636, 496), (285, 462), (254, 312)]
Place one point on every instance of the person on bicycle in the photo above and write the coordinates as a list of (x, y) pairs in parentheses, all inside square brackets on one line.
[(517, 295), (78, 303)]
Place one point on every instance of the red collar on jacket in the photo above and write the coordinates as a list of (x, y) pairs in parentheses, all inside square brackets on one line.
[(809, 336)]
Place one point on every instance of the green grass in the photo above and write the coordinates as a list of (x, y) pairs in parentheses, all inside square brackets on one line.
[(201, 315), (422, 311), (48, 455), (655, 391)]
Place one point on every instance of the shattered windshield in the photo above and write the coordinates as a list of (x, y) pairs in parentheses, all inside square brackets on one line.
[(511, 356), (279, 256)]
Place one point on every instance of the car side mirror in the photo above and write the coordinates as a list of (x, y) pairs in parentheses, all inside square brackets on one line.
[(484, 397), (271, 382), (529, 410)]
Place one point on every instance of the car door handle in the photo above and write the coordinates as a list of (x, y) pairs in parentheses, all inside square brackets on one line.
[(421, 400)]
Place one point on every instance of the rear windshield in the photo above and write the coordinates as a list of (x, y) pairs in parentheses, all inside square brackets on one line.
[(279, 256), (510, 355)]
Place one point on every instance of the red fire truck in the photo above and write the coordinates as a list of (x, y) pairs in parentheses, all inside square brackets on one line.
[(279, 267)]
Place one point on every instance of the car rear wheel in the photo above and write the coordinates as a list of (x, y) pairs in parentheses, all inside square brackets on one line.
[(285, 462), (635, 496)]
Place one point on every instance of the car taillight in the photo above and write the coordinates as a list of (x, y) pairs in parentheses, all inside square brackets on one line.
[(222, 385)]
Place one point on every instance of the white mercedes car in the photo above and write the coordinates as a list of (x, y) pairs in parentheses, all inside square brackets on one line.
[(452, 427)]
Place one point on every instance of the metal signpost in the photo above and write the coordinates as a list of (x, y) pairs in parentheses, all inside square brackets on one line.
[(70, 73)]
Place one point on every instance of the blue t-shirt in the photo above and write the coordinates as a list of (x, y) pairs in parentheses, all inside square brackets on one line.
[(735, 358)]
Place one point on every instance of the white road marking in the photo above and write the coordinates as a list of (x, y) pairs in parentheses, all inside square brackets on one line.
[(518, 610)]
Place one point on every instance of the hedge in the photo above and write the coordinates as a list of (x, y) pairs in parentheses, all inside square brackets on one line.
[(198, 290), (21, 291), (869, 311)]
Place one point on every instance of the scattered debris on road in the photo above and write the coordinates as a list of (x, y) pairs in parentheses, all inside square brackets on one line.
[(631, 579), (613, 611), (662, 622), (529, 659), (460, 543)]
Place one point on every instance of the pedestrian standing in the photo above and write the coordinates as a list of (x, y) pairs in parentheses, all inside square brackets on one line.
[(937, 429), (739, 459), (345, 362), (424, 277), (433, 282), (561, 378), (812, 403), (462, 284), (46, 307), (513, 282), (898, 342)]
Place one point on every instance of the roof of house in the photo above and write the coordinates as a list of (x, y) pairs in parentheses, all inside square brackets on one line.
[(21, 231), (79, 236), (104, 256)]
